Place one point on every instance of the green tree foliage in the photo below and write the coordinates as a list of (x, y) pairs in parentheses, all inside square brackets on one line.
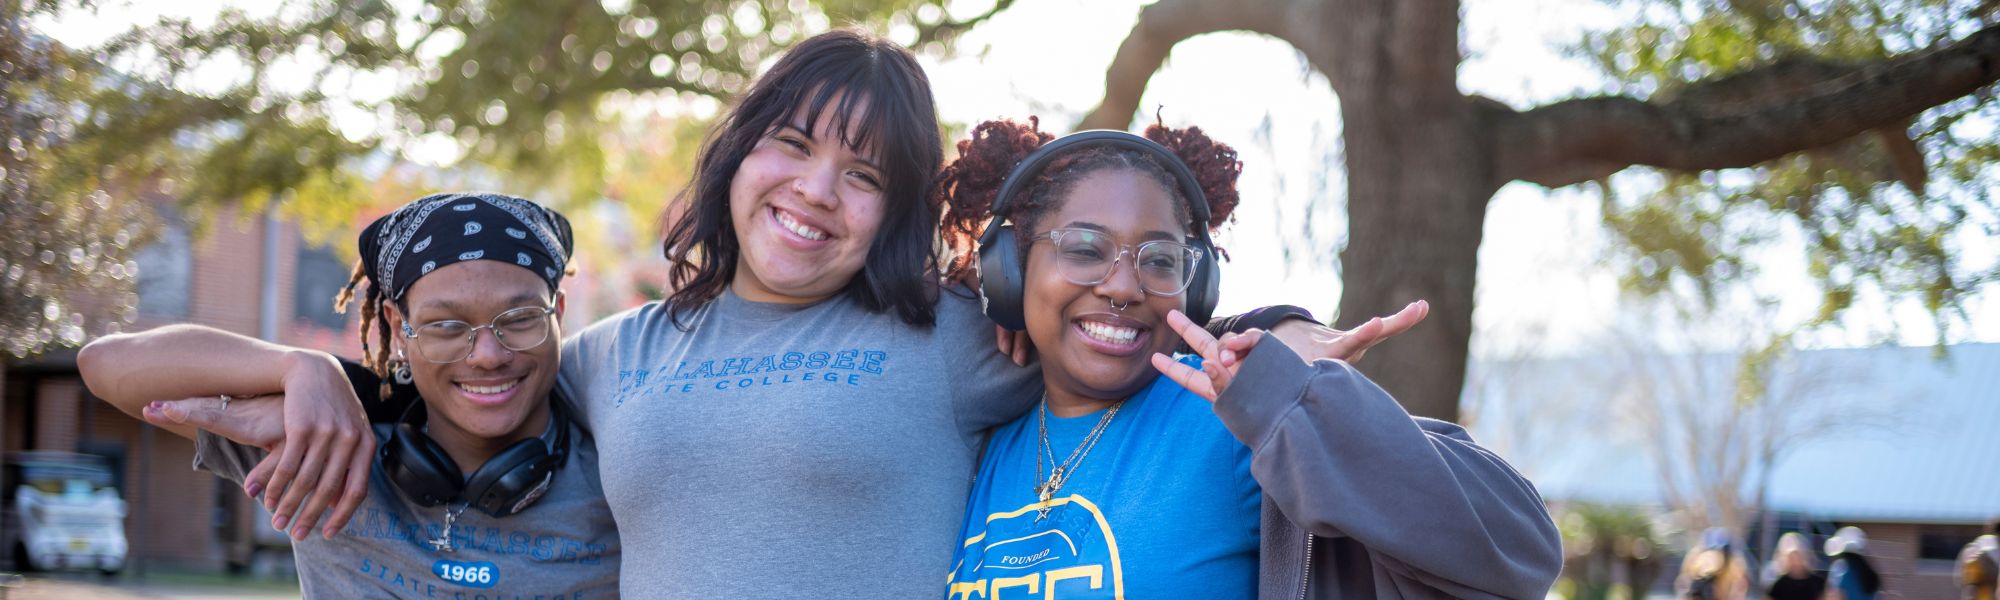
[(1609, 552), (1886, 212), (319, 105), (66, 270), (287, 104)]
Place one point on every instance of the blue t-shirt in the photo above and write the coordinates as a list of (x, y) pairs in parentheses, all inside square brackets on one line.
[(1844, 576), (1163, 507)]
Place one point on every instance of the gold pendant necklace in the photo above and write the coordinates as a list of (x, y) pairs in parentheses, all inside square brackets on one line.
[(1059, 474)]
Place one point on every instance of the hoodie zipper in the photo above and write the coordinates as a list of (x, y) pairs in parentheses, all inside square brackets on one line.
[(1305, 575)]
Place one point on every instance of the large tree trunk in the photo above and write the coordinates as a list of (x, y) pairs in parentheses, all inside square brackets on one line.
[(1417, 187), (1416, 207), (1423, 159)]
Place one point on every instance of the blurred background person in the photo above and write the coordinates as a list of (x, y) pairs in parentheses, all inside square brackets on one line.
[(1712, 571), (1794, 576), (1849, 575), (1979, 566)]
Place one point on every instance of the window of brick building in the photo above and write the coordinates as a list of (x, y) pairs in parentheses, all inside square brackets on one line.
[(1938, 545), (321, 274), (166, 267)]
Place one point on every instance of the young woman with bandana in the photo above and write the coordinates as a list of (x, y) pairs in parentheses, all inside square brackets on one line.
[(482, 486), (801, 415), (1242, 472)]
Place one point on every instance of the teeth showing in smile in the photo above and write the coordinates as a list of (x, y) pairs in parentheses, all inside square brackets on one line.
[(802, 229), (492, 389), (1110, 333)]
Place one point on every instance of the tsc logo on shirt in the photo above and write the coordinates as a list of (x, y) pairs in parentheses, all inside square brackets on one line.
[(1070, 553)]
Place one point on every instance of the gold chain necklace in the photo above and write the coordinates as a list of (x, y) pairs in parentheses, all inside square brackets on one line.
[(1060, 474)]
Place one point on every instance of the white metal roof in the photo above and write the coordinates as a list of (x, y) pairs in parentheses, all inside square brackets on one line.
[(1935, 458)]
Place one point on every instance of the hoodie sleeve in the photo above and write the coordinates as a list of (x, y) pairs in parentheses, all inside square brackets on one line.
[(1265, 318), (1342, 459)]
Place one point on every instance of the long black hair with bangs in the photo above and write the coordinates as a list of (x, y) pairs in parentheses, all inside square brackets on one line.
[(831, 71)]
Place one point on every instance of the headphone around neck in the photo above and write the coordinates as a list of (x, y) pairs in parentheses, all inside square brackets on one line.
[(507, 483), (1000, 270)]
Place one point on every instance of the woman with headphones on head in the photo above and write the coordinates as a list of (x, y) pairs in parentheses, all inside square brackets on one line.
[(483, 486), (1243, 472)]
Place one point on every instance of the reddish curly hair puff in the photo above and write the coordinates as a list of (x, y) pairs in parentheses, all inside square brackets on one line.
[(967, 186)]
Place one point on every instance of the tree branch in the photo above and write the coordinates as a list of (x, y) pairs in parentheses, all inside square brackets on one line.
[(1590, 138), (1162, 25), (946, 29)]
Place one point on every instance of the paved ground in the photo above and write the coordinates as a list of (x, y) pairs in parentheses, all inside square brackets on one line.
[(165, 586)]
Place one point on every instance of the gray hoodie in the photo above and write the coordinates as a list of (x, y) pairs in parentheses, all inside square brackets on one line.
[(1362, 500)]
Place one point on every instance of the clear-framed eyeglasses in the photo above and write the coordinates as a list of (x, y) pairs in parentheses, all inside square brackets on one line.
[(442, 342), (1088, 257)]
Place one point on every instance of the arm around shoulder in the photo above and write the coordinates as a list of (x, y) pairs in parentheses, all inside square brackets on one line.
[(1341, 458), (131, 370)]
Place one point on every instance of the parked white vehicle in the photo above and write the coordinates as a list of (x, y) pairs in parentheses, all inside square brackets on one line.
[(63, 512)]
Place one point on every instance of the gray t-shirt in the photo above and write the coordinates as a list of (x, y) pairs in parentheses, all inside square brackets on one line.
[(563, 547), (788, 451)]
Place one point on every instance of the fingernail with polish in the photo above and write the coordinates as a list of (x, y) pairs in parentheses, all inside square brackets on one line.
[(253, 489), (278, 522)]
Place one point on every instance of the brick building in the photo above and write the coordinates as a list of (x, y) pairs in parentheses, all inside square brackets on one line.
[(255, 276)]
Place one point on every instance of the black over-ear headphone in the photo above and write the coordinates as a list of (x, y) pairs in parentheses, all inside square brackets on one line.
[(1000, 268), (511, 480)]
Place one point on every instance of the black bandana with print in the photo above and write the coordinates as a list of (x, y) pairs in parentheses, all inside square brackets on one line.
[(442, 229)]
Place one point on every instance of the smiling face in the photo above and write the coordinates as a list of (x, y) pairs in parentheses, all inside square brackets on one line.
[(805, 210), (495, 395), (1089, 349)]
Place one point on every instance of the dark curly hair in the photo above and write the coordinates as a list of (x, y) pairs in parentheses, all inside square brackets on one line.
[(967, 186)]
